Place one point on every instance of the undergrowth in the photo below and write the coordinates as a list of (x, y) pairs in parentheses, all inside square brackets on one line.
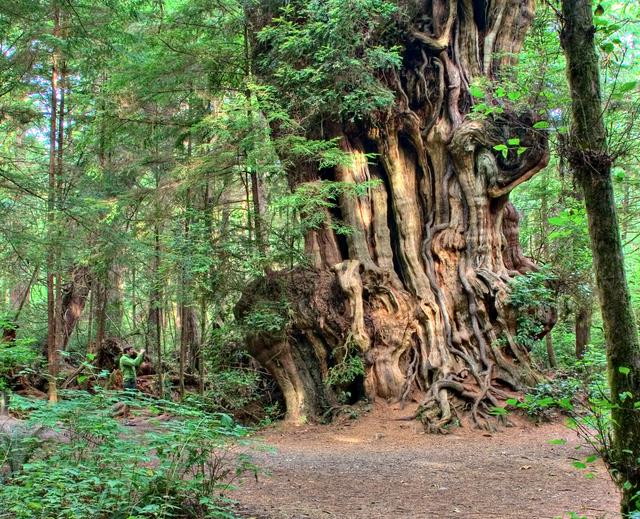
[(74, 460)]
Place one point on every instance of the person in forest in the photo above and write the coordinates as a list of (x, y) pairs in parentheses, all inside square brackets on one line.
[(129, 363)]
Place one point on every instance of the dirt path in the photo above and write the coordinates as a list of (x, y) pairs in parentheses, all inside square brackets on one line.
[(378, 467)]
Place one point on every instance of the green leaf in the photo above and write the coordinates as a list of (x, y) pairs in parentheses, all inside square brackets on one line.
[(502, 148), (482, 108), (558, 220), (600, 21), (514, 96), (546, 401), (624, 370), (591, 459), (627, 87), (515, 141), (557, 441), (579, 465), (624, 395), (512, 401), (619, 174), (607, 47), (541, 125), (498, 411), (476, 91), (500, 92), (565, 403)]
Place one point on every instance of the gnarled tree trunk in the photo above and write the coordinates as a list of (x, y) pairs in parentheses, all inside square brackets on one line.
[(419, 288)]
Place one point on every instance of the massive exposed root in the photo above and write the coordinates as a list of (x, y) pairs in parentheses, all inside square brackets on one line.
[(453, 353)]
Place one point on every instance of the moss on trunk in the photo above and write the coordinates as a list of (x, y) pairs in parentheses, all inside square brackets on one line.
[(590, 160)]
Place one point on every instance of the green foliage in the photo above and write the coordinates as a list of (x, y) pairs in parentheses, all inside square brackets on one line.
[(529, 295), (346, 370), (15, 355), (91, 467), (548, 397), (230, 391), (325, 58), (571, 515), (567, 391), (267, 316), (531, 289), (312, 201)]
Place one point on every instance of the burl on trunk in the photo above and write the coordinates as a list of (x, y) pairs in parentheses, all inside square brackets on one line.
[(419, 289)]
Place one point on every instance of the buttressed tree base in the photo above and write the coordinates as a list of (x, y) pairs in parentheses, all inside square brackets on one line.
[(418, 289)]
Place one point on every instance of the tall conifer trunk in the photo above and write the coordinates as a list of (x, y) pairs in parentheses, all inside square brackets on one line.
[(591, 163), (418, 289), (51, 260)]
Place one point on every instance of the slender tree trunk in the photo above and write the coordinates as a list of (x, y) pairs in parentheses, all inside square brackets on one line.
[(201, 343), (59, 281), (154, 321), (24, 294), (584, 313), (73, 300), (544, 219), (134, 301), (91, 347), (551, 352), (591, 163), (206, 207), (183, 348), (185, 285), (247, 197), (257, 186), (155, 303), (115, 295), (158, 320), (51, 260), (101, 313)]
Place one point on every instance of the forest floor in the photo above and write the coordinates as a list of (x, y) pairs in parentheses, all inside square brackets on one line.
[(380, 467)]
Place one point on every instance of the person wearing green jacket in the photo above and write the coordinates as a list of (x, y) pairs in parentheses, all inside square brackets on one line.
[(129, 362)]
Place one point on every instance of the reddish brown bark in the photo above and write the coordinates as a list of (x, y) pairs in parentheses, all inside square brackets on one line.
[(418, 290), (74, 299)]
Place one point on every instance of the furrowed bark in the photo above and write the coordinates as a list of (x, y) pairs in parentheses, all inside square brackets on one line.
[(418, 289)]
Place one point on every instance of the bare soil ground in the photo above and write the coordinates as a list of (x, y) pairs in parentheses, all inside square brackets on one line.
[(381, 467)]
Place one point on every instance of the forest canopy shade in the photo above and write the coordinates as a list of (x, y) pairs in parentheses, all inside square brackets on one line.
[(418, 288)]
